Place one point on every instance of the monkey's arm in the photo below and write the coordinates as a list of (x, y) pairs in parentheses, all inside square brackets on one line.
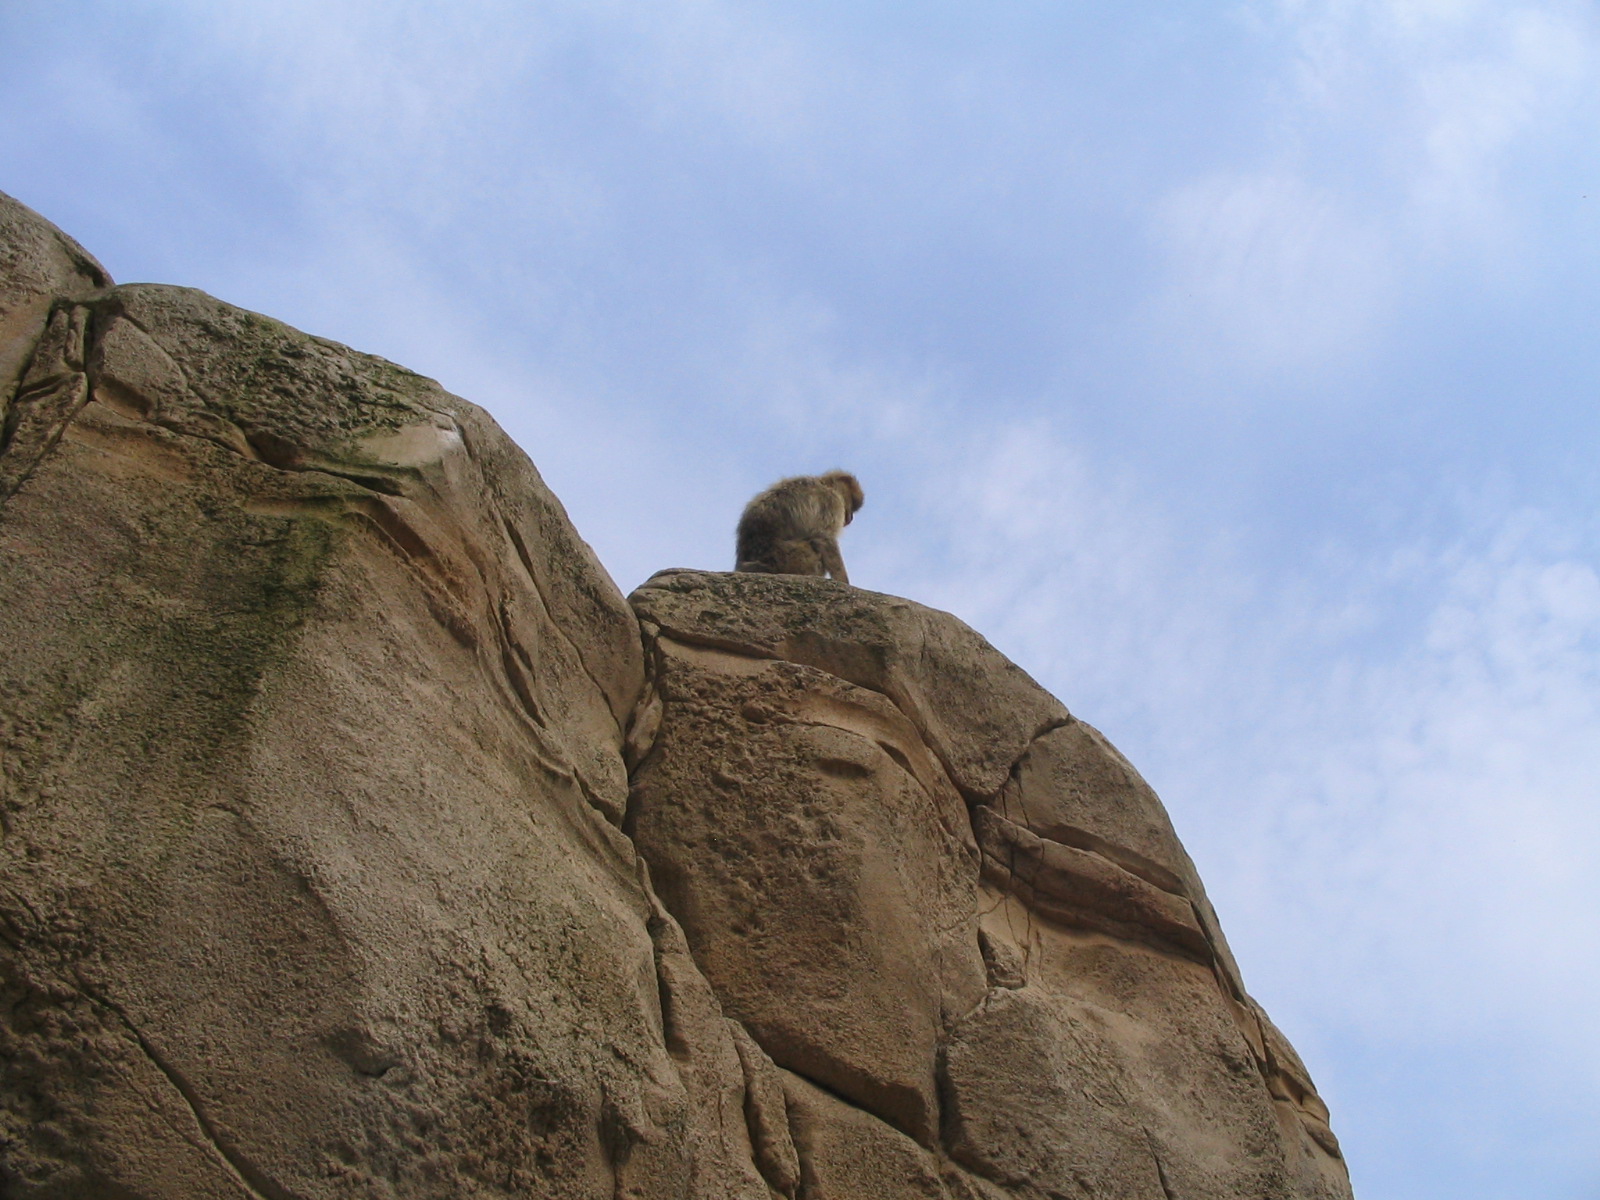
[(832, 561)]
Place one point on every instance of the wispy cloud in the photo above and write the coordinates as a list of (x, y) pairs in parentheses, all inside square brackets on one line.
[(1272, 271), (1397, 126)]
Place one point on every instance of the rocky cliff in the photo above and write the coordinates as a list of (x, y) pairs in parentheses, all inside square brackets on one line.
[(359, 838)]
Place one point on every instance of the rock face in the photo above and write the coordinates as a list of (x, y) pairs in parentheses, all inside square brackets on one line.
[(946, 904), (357, 838)]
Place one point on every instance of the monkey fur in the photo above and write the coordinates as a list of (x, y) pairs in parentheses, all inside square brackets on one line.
[(793, 527)]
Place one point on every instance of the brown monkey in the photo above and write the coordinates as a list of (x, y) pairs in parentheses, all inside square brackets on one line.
[(793, 527)]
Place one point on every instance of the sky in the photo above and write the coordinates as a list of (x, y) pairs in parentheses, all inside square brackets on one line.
[(1230, 366)]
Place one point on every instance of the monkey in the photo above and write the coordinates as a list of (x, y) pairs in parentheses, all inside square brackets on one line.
[(793, 527)]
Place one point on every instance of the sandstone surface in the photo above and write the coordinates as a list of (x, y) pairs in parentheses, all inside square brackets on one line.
[(927, 889), (311, 710), (358, 837)]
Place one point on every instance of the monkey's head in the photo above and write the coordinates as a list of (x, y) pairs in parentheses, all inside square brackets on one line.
[(849, 491)]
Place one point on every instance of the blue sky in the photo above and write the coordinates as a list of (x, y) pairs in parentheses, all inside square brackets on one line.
[(1231, 366)]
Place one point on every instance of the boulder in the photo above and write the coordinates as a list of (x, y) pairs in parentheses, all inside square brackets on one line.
[(947, 906), (311, 708)]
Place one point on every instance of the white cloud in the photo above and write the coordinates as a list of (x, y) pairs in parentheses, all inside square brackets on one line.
[(1393, 142), (1273, 267), (1478, 86), (1459, 777)]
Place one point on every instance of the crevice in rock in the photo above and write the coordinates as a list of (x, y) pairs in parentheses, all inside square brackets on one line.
[(612, 814), (254, 444), (1004, 966), (1080, 889), (1044, 731), (249, 1175), (1161, 1170), (672, 1033), (1137, 865), (284, 455), (899, 757), (42, 408), (895, 754), (560, 629), (27, 906), (768, 1122), (1151, 872), (727, 645), (12, 482), (111, 305), (12, 384), (517, 665), (975, 798), (440, 591), (558, 768), (227, 435), (644, 726), (1225, 980), (832, 1092)]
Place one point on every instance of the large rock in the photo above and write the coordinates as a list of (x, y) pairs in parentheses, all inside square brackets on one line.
[(311, 706), (951, 908), (357, 838), (822, 866)]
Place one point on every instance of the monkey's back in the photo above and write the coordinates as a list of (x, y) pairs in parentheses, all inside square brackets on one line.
[(787, 513), (756, 536)]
